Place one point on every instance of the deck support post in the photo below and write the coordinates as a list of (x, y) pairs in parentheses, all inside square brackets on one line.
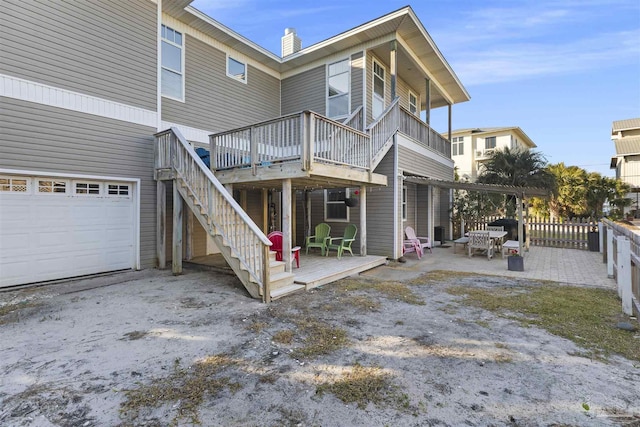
[(161, 224), (449, 122), (177, 230), (363, 220), (188, 252), (265, 211), (286, 224), (427, 102), (430, 213)]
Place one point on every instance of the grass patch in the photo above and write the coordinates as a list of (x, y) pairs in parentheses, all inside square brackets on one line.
[(134, 335), (362, 385), (583, 315), (319, 338), (11, 312), (185, 388), (257, 327), (438, 276), (283, 337), (390, 289)]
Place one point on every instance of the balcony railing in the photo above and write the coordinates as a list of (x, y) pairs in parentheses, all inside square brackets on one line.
[(412, 126), (304, 137)]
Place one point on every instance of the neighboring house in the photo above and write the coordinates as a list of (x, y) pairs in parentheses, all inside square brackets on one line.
[(93, 180), (626, 138), (470, 148)]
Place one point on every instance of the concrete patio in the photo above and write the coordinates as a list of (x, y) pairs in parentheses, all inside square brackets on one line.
[(570, 266)]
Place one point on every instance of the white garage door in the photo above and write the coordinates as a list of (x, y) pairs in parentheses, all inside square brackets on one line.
[(52, 228)]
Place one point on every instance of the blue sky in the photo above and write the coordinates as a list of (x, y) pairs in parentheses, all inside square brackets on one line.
[(562, 70)]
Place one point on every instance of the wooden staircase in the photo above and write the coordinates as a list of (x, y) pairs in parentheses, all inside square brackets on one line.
[(241, 242)]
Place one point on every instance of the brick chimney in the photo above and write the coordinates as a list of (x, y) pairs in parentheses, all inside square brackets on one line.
[(291, 43)]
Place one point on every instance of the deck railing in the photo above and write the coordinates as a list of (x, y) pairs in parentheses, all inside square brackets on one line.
[(383, 129), (302, 137), (621, 252), (226, 218), (412, 126), (356, 119)]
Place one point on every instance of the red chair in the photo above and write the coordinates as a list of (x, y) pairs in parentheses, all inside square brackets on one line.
[(276, 240)]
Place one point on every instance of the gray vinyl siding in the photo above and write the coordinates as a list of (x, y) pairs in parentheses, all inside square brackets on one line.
[(423, 209), (105, 49), (216, 102), (255, 207), (444, 211), (380, 203), (412, 162), (47, 139), (357, 64), (305, 91), (403, 92), (413, 211)]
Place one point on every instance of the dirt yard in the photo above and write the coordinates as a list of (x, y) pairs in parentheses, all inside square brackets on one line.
[(150, 349)]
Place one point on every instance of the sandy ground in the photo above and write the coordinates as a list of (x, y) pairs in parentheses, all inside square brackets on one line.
[(69, 355)]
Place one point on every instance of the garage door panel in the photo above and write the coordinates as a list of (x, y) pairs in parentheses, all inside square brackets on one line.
[(54, 236)]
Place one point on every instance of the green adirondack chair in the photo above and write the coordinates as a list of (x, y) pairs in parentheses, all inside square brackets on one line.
[(345, 242), (319, 240)]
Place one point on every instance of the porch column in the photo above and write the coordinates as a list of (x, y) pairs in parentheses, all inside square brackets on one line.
[(177, 231), (427, 106), (243, 199), (430, 213), (449, 114), (307, 201), (393, 65), (161, 224), (265, 211), (286, 223), (363, 220)]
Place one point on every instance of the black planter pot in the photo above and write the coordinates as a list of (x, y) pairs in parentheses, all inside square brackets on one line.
[(515, 263), (593, 241), (351, 202)]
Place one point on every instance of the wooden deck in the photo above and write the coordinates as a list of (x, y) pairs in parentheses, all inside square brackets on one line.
[(315, 270)]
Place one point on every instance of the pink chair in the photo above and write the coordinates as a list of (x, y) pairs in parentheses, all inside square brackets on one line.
[(276, 240), (418, 242)]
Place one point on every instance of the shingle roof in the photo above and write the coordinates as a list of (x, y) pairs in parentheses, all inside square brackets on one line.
[(620, 125), (627, 146)]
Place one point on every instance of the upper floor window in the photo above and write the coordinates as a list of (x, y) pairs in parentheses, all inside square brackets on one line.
[(338, 89), (378, 90), (236, 69), (490, 142), (172, 64), (457, 146), (335, 208), (514, 143), (413, 103)]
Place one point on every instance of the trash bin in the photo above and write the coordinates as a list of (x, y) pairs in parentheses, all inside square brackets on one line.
[(438, 234)]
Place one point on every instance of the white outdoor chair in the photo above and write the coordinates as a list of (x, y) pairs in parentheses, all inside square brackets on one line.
[(496, 228), (480, 240)]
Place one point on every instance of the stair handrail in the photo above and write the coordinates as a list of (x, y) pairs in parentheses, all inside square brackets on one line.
[(355, 119), (383, 128), (205, 199)]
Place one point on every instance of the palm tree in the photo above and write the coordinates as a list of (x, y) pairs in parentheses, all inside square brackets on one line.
[(517, 168)]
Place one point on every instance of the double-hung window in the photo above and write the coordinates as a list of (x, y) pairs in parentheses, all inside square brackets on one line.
[(490, 142), (378, 90), (338, 89), (413, 103), (335, 208), (457, 146), (172, 64), (405, 197)]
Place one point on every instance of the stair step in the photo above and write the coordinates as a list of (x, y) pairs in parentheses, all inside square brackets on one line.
[(281, 280), (276, 267), (280, 292)]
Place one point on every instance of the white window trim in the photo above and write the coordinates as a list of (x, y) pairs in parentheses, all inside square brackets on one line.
[(36, 187), (121, 196), (347, 193), (88, 182), (246, 69), (326, 89), (184, 65), (417, 112), (373, 84), (28, 183), (405, 204)]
